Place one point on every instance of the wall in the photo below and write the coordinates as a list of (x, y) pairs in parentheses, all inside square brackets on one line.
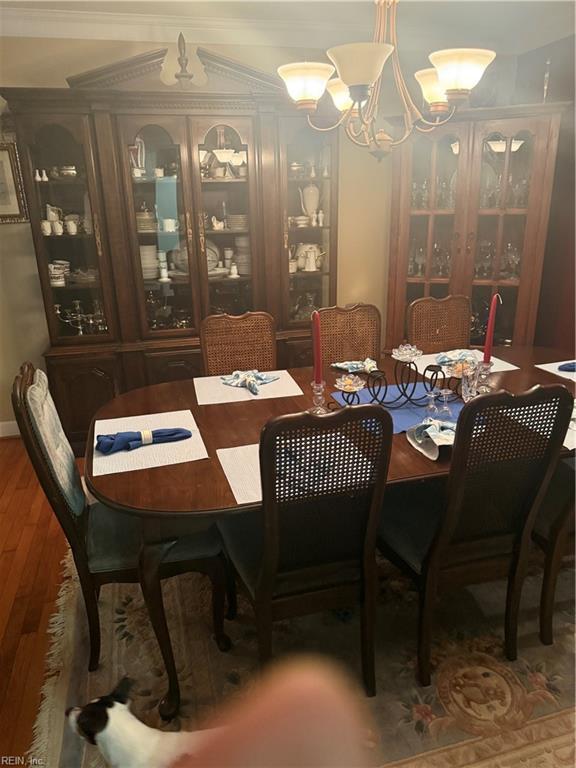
[(363, 205)]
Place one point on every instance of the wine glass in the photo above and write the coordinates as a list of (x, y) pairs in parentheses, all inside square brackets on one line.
[(445, 412), (431, 410)]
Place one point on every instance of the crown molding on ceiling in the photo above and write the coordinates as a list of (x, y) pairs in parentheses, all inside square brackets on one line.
[(136, 27)]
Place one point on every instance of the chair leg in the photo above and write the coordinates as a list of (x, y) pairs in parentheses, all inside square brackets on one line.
[(91, 602), (231, 595), (513, 595), (218, 578), (367, 638), (264, 632), (552, 565), (427, 598), (151, 556)]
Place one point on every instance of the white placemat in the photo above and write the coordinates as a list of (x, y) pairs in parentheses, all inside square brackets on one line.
[(211, 390), (241, 466), (553, 368), (147, 456), (499, 366)]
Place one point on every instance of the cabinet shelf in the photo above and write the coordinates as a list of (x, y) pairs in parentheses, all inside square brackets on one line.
[(66, 236), (156, 180), (77, 287), (71, 182), (423, 280), (212, 232), (514, 282), (243, 180), (313, 179), (291, 230)]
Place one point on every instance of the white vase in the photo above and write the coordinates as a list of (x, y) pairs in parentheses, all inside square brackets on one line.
[(309, 199)]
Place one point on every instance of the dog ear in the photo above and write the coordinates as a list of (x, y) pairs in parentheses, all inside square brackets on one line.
[(121, 693)]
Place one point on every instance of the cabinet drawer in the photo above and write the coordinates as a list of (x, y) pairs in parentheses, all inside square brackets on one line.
[(172, 366), (80, 386)]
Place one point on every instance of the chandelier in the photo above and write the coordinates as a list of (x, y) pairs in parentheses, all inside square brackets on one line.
[(355, 91)]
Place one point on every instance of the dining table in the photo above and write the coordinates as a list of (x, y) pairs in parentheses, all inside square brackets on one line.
[(173, 499)]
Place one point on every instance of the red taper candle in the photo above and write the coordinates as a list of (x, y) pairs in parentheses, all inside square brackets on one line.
[(490, 328), (316, 347)]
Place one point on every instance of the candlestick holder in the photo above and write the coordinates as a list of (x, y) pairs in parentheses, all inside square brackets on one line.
[(318, 398), (483, 376)]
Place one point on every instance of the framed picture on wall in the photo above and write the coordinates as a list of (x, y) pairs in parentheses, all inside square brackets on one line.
[(13, 208)]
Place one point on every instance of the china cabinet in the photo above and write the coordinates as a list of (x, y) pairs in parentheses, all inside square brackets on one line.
[(470, 215), (153, 209)]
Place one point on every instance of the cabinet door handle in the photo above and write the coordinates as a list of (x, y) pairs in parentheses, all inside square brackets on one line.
[(97, 236), (285, 231), (456, 240), (202, 236), (469, 241), (100, 372)]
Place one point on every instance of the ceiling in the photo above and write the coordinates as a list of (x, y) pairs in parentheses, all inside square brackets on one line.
[(507, 27)]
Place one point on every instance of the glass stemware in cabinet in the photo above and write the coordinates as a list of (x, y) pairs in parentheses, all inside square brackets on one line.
[(161, 229), (224, 221), (70, 232)]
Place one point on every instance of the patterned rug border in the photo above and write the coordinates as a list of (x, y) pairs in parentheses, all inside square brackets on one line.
[(546, 742)]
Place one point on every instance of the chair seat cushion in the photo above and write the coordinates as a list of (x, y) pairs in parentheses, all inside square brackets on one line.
[(559, 499), (410, 518), (243, 536), (113, 541)]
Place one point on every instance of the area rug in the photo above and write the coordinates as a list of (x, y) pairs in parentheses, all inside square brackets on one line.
[(481, 711)]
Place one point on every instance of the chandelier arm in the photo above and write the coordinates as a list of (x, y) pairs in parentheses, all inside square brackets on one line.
[(438, 122), (354, 137), (407, 133), (350, 131), (409, 105), (339, 122)]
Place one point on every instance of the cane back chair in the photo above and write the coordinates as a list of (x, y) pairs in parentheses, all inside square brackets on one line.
[(478, 527), (106, 544), (238, 343), (438, 325), (312, 545), (350, 333), (554, 534)]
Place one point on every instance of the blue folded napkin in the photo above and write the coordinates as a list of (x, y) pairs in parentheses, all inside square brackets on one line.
[(568, 367), (127, 441), (249, 379), (357, 366), (455, 356), (440, 432)]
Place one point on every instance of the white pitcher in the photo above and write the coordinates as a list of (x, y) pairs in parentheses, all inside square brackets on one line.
[(309, 199)]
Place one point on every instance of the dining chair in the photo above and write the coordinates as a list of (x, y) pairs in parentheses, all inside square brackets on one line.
[(478, 524), (438, 325), (554, 534), (106, 544), (238, 343), (350, 333), (312, 545)]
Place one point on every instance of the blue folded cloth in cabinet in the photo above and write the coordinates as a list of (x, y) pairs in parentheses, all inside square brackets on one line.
[(127, 441)]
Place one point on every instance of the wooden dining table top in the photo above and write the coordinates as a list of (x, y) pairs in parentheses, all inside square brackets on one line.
[(201, 487)]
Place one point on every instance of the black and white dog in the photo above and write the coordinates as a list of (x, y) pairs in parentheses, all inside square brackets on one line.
[(126, 742)]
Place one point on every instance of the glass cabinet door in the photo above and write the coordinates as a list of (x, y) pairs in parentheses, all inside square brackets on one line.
[(436, 188), (308, 170), (161, 222), (499, 243), (67, 228), (226, 207)]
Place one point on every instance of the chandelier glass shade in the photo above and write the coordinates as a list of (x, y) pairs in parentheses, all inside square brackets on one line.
[(356, 89)]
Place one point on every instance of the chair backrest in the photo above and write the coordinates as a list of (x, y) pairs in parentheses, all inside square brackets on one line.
[(505, 452), (50, 453), (350, 333), (438, 325), (323, 480), (238, 342)]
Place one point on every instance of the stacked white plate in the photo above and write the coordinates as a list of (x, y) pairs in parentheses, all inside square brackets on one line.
[(237, 221), (243, 255), (149, 261)]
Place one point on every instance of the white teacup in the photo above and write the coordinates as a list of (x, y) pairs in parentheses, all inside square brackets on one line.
[(137, 173), (159, 172), (57, 228), (46, 227), (71, 227), (170, 225), (234, 271)]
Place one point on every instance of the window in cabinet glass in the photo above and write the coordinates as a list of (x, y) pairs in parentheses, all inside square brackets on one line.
[(492, 177), (309, 233), (225, 221), (70, 232), (161, 229), (521, 150)]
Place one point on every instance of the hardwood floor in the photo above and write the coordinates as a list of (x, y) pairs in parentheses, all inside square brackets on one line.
[(32, 546)]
